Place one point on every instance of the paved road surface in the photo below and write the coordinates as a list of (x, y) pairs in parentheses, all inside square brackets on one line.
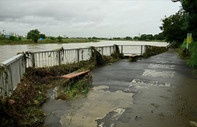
[(156, 92)]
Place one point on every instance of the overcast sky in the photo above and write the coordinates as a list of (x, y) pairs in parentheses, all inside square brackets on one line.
[(85, 18)]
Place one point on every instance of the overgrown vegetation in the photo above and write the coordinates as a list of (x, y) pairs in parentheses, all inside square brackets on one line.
[(173, 28), (133, 59), (190, 55), (154, 50), (176, 27), (23, 107), (73, 88)]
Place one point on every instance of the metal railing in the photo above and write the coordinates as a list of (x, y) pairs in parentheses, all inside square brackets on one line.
[(12, 70), (132, 49), (11, 73), (63, 56)]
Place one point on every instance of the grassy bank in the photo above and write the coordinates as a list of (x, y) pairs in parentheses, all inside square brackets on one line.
[(46, 41), (154, 50), (23, 107), (189, 55)]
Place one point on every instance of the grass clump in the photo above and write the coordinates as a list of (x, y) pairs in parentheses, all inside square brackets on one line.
[(132, 59), (154, 50), (190, 55), (75, 87)]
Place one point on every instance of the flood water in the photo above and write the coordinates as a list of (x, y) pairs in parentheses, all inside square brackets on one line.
[(8, 51)]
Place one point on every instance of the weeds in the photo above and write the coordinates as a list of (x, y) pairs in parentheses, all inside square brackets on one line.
[(23, 107), (190, 55), (153, 50), (75, 88)]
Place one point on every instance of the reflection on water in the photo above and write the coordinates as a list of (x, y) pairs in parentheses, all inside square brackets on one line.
[(8, 51)]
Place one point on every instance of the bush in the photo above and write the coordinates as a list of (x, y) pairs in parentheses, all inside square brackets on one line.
[(13, 38), (2, 37), (59, 39), (192, 61), (154, 50), (190, 54)]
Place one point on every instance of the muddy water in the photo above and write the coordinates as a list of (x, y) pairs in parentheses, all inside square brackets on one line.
[(156, 92), (8, 51)]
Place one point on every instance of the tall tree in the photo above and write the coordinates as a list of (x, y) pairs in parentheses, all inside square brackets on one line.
[(33, 35), (173, 28), (59, 39), (42, 36), (190, 7)]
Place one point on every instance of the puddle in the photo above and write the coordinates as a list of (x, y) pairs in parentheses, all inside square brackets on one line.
[(110, 119), (163, 74), (97, 105)]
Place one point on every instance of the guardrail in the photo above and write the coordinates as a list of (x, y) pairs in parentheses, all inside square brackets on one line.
[(63, 56), (12, 70), (11, 73)]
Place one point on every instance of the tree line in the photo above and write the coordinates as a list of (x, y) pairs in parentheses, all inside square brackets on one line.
[(176, 27), (33, 35)]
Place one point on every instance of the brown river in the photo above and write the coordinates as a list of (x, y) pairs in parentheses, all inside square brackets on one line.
[(8, 51)]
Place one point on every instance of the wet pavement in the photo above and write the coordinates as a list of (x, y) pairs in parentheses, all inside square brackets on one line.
[(159, 91)]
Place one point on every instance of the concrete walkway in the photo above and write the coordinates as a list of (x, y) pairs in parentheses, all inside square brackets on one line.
[(156, 92)]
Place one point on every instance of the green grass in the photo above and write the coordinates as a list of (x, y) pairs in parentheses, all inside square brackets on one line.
[(191, 56), (154, 50), (75, 88)]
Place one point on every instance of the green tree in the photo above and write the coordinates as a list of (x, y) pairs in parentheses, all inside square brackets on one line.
[(33, 35), (59, 39), (146, 37), (128, 38), (52, 38), (42, 36), (190, 7), (136, 38), (2, 37), (173, 28), (12, 38), (19, 38), (159, 36)]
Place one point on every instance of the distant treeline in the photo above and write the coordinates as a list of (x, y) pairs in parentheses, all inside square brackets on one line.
[(42, 38), (12, 40), (143, 37)]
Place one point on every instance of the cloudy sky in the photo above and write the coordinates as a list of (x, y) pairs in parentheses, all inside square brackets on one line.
[(85, 18)]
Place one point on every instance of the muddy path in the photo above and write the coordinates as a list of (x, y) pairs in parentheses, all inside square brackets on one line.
[(156, 92)]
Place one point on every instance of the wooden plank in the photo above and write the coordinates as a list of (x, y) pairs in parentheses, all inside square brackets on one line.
[(133, 56), (75, 74)]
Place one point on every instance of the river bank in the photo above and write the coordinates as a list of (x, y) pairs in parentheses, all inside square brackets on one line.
[(46, 41), (8, 51)]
